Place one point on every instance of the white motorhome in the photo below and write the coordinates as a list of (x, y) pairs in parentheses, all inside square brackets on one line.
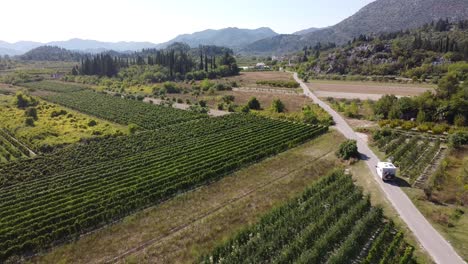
[(386, 171)]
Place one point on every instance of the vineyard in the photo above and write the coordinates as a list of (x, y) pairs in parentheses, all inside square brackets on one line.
[(331, 222), (411, 153), (119, 178), (51, 86), (10, 149), (122, 111)]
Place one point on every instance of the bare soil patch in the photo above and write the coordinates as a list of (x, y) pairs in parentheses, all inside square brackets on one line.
[(367, 89)]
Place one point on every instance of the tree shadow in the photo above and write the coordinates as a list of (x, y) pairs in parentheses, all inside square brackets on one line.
[(363, 156)]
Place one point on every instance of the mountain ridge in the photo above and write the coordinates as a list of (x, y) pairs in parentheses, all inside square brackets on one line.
[(377, 17)]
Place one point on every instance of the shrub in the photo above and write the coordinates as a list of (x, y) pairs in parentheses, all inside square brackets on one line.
[(423, 128), (458, 139), (29, 121), (245, 109), (92, 123), (277, 106), (348, 149), (31, 112), (439, 129), (254, 104)]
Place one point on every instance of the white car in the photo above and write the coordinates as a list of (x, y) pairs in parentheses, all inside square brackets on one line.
[(386, 171)]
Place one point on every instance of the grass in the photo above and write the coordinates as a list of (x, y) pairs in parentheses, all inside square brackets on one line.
[(195, 222), (450, 224), (67, 127)]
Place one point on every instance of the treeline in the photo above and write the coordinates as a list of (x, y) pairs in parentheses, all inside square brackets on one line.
[(448, 105), (177, 60)]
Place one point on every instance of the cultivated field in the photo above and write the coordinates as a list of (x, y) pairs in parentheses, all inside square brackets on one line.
[(348, 230), (184, 228), (53, 125), (364, 90), (39, 211)]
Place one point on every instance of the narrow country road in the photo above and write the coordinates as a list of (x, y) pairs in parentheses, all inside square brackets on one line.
[(437, 247)]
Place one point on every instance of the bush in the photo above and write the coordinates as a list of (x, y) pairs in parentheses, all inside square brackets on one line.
[(348, 149), (278, 83), (458, 139), (439, 129), (245, 109), (29, 121), (277, 106), (423, 128), (92, 123), (31, 112), (254, 104), (58, 113)]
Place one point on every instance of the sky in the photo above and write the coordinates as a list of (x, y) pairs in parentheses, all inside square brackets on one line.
[(159, 21)]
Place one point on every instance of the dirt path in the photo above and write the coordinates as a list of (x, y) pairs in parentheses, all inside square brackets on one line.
[(437, 247)]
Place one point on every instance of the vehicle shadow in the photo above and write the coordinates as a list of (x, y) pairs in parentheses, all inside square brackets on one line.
[(399, 182)]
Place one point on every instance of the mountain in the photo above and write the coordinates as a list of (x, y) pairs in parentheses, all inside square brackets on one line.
[(278, 44), (51, 53), (94, 46), (378, 17), (80, 45), (17, 48), (306, 31), (227, 37)]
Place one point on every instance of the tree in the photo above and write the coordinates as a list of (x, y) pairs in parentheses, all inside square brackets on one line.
[(277, 106), (254, 104), (447, 86), (384, 105), (348, 149), (22, 100)]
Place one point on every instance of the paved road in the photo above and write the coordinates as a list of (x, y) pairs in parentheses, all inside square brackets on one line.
[(437, 247)]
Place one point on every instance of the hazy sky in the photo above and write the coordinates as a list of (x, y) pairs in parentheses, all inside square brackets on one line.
[(158, 20)]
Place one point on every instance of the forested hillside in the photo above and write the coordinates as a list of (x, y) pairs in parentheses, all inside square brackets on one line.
[(421, 53), (51, 53)]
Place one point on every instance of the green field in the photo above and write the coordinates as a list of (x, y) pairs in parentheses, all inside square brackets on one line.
[(123, 111), (40, 212), (331, 222), (10, 149)]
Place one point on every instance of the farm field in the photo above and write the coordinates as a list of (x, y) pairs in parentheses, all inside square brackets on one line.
[(410, 153), (10, 149), (107, 191), (364, 90), (52, 126), (195, 222), (348, 230), (439, 194), (191, 225), (123, 111)]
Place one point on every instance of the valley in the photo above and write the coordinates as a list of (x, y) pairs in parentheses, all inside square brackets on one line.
[(339, 137)]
